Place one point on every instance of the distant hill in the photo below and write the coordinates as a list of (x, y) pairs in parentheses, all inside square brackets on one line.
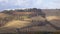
[(51, 12)]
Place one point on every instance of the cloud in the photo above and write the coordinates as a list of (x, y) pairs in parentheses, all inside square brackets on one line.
[(3, 1), (28, 3), (11, 4), (52, 4)]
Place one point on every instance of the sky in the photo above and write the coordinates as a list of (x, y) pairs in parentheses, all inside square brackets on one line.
[(43, 4)]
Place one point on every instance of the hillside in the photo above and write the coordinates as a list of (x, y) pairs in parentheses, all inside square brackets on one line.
[(53, 15), (30, 20)]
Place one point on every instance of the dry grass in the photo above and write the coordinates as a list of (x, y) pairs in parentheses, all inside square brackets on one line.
[(38, 18), (49, 18), (20, 24), (2, 15), (55, 20), (16, 24)]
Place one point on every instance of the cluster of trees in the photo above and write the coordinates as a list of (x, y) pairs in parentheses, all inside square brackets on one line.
[(37, 11), (21, 10), (7, 11)]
